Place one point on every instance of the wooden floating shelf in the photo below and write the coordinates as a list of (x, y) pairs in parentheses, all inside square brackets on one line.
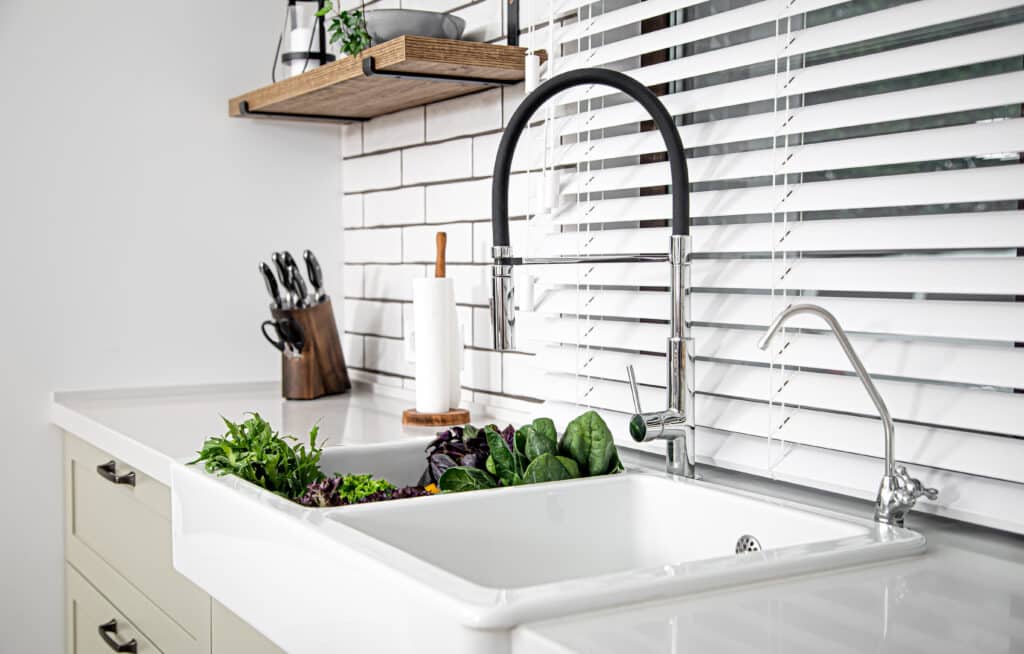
[(405, 72)]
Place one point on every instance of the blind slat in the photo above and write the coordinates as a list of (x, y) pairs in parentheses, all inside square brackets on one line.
[(961, 141), (993, 321), (961, 363), (988, 45), (989, 184)]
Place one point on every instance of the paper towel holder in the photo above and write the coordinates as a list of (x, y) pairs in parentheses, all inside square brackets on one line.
[(454, 416)]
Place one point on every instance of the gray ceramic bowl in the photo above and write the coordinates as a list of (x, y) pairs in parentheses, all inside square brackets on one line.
[(386, 24)]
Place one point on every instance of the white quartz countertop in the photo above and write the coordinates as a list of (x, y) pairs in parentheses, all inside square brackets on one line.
[(149, 428), (964, 595)]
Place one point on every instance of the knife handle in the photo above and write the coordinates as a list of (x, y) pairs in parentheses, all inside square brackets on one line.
[(315, 274), (271, 283)]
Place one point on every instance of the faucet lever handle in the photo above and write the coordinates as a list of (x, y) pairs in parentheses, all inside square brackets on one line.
[(913, 486), (633, 389)]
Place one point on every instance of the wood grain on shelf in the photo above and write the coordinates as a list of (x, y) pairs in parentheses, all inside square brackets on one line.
[(340, 89)]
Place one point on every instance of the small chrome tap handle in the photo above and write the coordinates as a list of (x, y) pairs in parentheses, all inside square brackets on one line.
[(913, 486), (633, 389)]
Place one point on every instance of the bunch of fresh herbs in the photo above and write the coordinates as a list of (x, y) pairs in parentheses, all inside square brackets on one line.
[(255, 452)]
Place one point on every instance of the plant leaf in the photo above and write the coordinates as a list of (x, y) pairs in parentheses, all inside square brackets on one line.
[(539, 442), (458, 479), (546, 467), (589, 442), (504, 460)]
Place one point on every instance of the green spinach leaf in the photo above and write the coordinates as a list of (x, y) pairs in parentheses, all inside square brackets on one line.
[(465, 478), (539, 442), (589, 442), (505, 463), (546, 467)]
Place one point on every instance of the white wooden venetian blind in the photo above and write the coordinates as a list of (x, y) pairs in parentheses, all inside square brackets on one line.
[(862, 155)]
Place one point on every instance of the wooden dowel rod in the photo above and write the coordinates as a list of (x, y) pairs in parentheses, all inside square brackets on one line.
[(439, 262)]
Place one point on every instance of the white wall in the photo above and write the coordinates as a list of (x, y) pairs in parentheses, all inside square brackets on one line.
[(134, 212)]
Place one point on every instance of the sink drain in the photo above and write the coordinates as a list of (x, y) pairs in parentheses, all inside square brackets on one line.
[(747, 543)]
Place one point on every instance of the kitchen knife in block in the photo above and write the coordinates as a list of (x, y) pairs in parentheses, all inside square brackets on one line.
[(319, 369)]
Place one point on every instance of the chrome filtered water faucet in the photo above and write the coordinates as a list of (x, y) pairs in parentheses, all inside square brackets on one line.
[(675, 424), (898, 492)]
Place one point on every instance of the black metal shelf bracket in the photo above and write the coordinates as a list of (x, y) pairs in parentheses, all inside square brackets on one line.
[(512, 23), (245, 112), (370, 70)]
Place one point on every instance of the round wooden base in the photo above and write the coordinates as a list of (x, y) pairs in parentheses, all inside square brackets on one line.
[(446, 419)]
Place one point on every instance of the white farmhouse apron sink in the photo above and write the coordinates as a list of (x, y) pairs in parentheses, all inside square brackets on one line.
[(460, 571)]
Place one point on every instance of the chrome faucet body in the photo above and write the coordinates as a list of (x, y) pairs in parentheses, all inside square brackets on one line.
[(676, 423), (898, 491)]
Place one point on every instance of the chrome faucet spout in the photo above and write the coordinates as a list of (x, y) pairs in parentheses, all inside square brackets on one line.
[(898, 491), (676, 424)]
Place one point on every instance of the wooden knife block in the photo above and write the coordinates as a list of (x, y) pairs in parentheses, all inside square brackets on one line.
[(320, 368)]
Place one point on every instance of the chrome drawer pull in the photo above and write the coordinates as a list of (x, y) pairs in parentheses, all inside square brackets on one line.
[(111, 628), (108, 471)]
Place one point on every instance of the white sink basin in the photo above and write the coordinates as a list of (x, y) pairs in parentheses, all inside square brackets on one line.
[(460, 571)]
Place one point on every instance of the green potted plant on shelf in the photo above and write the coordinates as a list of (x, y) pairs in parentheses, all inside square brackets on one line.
[(347, 28)]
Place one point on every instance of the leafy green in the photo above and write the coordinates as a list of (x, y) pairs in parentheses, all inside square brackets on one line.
[(589, 442), (540, 441), (572, 466), (355, 487), (546, 427), (532, 454), (464, 478), (253, 451), (548, 467), (504, 460)]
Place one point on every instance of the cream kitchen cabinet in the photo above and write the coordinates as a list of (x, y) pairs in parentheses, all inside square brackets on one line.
[(121, 584)]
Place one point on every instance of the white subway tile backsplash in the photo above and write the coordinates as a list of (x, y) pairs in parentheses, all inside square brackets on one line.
[(470, 114), (353, 279), (484, 20), (519, 375), (392, 282), (352, 210), (459, 201), (482, 336), (419, 243), (351, 139), (352, 348), (450, 160), (472, 283), (512, 96), (400, 206), (482, 370), (529, 152), (387, 355), (395, 130), (375, 171), (368, 317), (373, 245)]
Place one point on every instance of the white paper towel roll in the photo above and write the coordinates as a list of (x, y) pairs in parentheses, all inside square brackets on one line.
[(433, 302)]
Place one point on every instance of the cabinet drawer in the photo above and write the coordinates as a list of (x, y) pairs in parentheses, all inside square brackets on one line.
[(119, 536), (90, 616)]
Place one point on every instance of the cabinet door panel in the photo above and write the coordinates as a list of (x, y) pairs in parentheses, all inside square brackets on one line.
[(87, 610)]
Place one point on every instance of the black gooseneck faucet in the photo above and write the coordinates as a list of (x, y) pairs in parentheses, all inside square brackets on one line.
[(675, 424)]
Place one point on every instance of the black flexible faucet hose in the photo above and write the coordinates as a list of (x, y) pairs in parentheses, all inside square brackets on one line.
[(559, 83)]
